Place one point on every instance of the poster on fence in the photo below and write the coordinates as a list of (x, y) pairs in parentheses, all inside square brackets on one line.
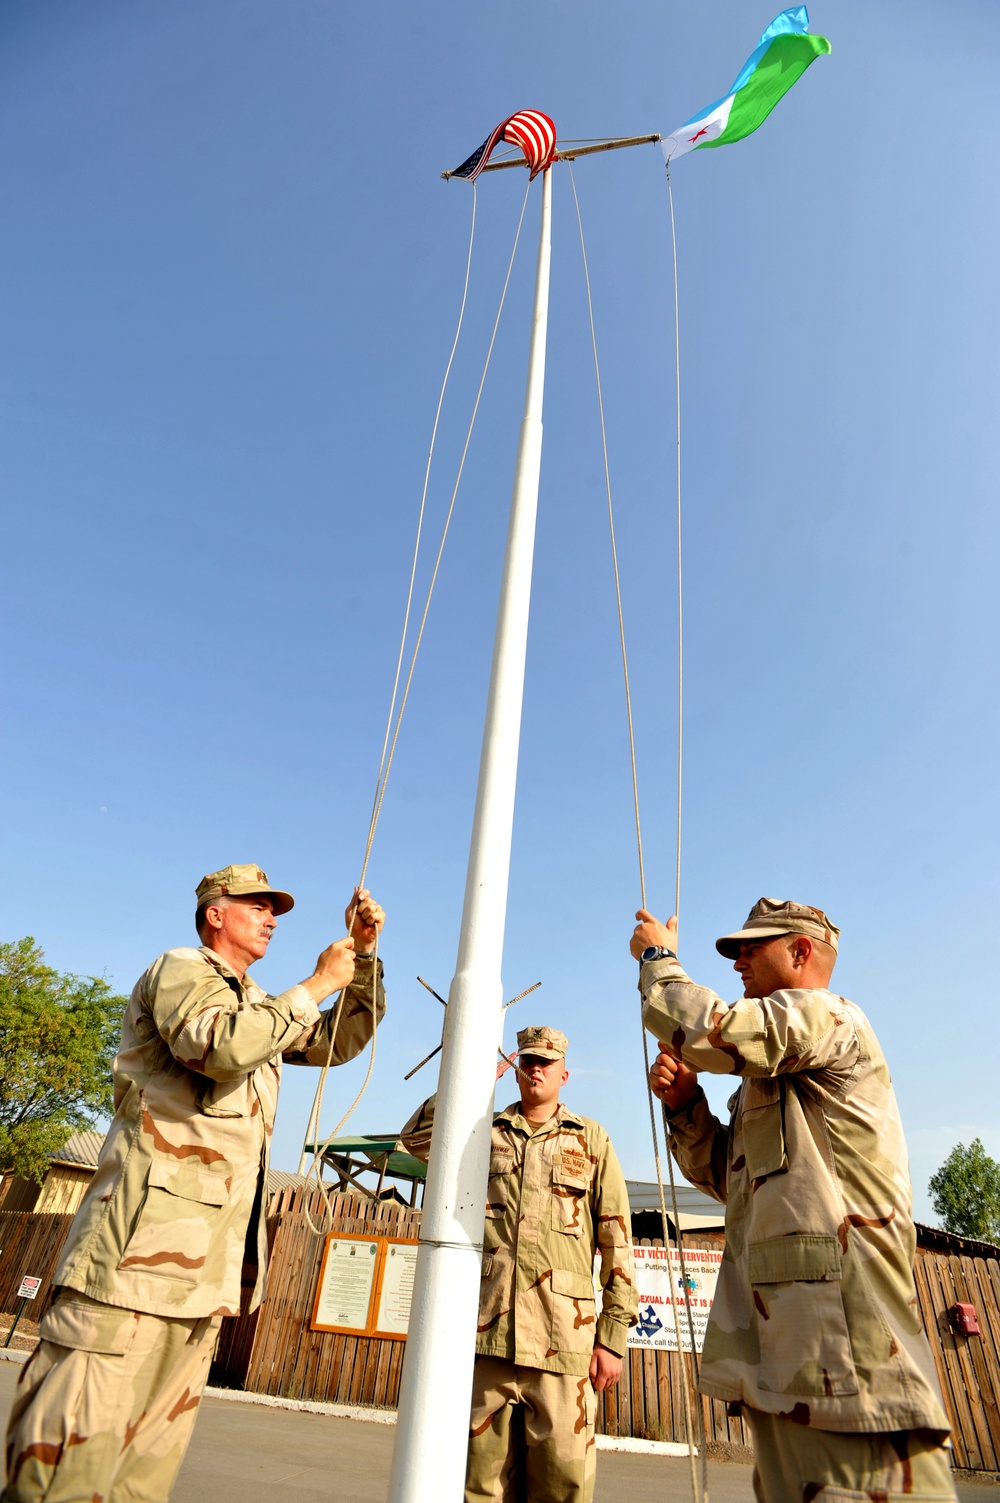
[(655, 1270), (399, 1266), (364, 1286), (346, 1280)]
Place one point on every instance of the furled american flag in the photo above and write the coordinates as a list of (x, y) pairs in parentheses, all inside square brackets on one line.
[(534, 132)]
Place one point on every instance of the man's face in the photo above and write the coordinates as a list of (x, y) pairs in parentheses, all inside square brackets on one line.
[(247, 924), (540, 1079), (765, 965)]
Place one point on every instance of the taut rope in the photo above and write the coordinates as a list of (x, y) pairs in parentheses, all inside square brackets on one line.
[(691, 1367), (393, 728)]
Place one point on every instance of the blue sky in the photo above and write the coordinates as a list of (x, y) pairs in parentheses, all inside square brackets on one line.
[(231, 275)]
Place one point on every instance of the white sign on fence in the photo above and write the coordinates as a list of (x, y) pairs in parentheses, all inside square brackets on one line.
[(29, 1287), (655, 1270)]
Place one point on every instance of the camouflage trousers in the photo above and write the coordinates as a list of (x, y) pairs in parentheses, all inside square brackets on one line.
[(531, 1436), (795, 1464), (106, 1404)]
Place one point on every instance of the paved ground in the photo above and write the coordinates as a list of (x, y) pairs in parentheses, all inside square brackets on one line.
[(244, 1453), (311, 1456)]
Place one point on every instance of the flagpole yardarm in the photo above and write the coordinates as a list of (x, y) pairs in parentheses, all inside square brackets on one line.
[(569, 153)]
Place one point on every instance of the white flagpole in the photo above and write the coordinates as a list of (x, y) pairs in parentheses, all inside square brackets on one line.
[(433, 1427)]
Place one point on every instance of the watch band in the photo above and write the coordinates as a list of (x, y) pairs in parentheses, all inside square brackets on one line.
[(656, 952)]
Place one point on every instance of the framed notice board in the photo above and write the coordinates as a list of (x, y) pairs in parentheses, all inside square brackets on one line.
[(365, 1285)]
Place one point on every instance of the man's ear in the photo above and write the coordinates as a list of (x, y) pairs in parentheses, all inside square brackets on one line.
[(801, 951), (565, 1077)]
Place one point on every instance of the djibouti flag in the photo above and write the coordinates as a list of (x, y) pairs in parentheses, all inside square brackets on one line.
[(781, 57)]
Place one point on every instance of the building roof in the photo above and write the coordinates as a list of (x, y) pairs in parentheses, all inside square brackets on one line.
[(936, 1239), (80, 1149), (281, 1179), (694, 1207)]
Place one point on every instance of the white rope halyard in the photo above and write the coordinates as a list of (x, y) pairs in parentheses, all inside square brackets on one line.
[(394, 720), (689, 1361)]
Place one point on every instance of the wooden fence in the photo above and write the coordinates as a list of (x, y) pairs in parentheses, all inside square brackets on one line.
[(273, 1351), (968, 1366), (30, 1243)]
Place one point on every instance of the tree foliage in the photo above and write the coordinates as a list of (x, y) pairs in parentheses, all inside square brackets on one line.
[(965, 1192), (58, 1037)]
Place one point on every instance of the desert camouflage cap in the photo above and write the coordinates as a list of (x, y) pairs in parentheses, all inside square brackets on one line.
[(236, 882), (769, 917), (547, 1043)]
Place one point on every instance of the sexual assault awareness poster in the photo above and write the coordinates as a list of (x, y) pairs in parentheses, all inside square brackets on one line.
[(655, 1270)]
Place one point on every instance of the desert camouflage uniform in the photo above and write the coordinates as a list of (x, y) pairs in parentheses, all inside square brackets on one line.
[(800, 1463), (175, 1207), (815, 1319), (121, 1392), (555, 1195), (531, 1435)]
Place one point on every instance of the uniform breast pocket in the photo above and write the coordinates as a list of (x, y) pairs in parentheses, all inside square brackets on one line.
[(179, 1216), (763, 1128), (805, 1347), (499, 1188), (570, 1198)]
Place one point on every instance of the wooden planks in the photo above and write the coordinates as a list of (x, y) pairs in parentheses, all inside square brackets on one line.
[(276, 1353), (968, 1367), (30, 1242)]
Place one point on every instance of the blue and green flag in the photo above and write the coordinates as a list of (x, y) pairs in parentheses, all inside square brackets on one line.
[(781, 57)]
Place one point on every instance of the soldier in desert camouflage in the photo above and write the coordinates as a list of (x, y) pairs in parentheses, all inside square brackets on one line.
[(106, 1404), (815, 1331), (543, 1350)]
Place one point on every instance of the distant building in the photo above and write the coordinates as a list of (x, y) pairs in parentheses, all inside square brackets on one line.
[(696, 1211)]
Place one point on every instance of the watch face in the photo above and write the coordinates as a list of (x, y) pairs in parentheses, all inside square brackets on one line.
[(652, 952)]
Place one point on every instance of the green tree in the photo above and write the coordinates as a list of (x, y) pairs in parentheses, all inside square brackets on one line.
[(965, 1192), (58, 1036)]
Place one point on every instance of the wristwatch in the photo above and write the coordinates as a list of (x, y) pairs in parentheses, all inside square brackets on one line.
[(656, 952)]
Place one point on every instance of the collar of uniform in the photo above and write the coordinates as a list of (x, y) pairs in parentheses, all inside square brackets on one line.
[(223, 966), (562, 1116)]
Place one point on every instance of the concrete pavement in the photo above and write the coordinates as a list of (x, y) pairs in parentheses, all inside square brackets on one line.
[(280, 1453), (246, 1453)]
